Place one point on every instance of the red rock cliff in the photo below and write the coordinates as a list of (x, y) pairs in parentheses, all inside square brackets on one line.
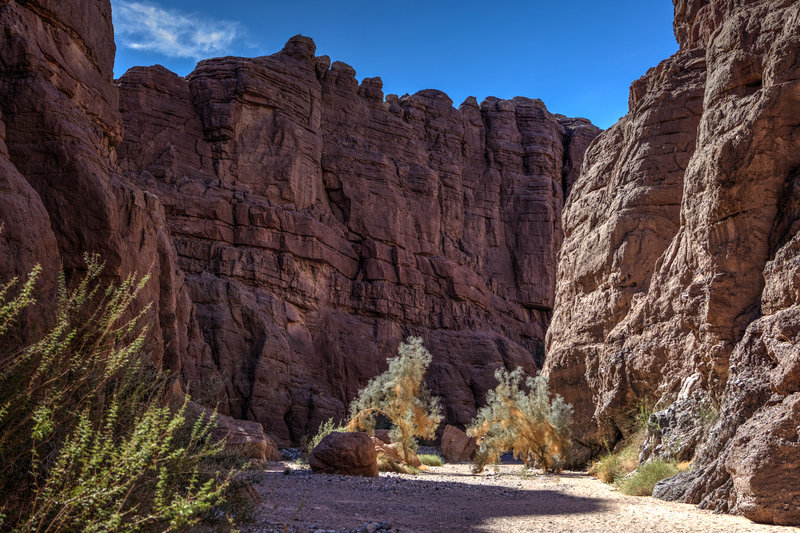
[(678, 277), (62, 194), (318, 223)]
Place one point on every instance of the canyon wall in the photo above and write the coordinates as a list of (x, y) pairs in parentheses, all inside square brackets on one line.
[(296, 224), (61, 194), (318, 223), (678, 278)]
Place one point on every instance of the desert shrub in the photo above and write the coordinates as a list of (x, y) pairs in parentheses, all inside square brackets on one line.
[(531, 424), (86, 442), (430, 459), (624, 459), (642, 481), (325, 429), (400, 395)]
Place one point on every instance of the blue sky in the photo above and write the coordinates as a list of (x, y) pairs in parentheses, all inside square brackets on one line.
[(578, 56)]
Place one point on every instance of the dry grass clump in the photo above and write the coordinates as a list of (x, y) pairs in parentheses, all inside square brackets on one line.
[(430, 459), (644, 479), (616, 465), (622, 467), (389, 464)]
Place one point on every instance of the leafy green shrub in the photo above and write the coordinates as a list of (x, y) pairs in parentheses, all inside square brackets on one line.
[(86, 443), (532, 425), (642, 481), (430, 459), (400, 395)]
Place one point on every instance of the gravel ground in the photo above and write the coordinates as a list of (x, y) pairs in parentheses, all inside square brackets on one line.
[(450, 498)]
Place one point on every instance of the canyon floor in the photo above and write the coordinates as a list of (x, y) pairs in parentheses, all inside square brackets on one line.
[(451, 498)]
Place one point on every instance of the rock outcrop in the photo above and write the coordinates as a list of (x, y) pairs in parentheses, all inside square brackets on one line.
[(457, 446), (319, 223), (61, 193), (678, 278)]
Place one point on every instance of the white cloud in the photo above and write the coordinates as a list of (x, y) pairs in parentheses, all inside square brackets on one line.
[(146, 26)]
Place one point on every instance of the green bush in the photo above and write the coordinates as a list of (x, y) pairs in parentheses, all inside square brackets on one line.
[(644, 478), (86, 443), (400, 395), (532, 425), (430, 459)]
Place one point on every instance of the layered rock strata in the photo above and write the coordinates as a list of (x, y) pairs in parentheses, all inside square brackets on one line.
[(319, 223), (678, 278)]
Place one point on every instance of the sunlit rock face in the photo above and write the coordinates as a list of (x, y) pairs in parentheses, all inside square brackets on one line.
[(318, 223), (678, 277)]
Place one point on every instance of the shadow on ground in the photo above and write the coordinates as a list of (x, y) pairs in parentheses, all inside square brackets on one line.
[(302, 501)]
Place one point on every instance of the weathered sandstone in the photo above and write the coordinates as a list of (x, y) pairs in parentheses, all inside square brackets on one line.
[(457, 446), (349, 454), (62, 194), (319, 223), (678, 276), (246, 438)]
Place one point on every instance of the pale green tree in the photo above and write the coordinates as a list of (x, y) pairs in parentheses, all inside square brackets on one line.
[(400, 395)]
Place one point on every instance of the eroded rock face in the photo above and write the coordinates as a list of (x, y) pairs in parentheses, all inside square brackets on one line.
[(682, 286), (318, 224), (62, 194)]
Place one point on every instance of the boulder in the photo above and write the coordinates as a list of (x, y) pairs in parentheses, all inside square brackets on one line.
[(457, 446), (383, 435), (350, 454), (246, 438)]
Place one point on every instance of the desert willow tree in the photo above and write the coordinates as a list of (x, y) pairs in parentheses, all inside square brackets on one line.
[(532, 425), (400, 395)]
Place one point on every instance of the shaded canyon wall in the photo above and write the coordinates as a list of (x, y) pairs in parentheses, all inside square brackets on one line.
[(679, 275)]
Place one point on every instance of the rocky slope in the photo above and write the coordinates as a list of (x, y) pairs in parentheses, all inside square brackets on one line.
[(678, 278), (318, 223)]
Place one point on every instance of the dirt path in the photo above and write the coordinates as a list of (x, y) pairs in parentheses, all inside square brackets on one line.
[(450, 498)]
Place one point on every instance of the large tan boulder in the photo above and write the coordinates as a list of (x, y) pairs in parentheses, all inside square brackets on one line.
[(350, 454), (457, 446)]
